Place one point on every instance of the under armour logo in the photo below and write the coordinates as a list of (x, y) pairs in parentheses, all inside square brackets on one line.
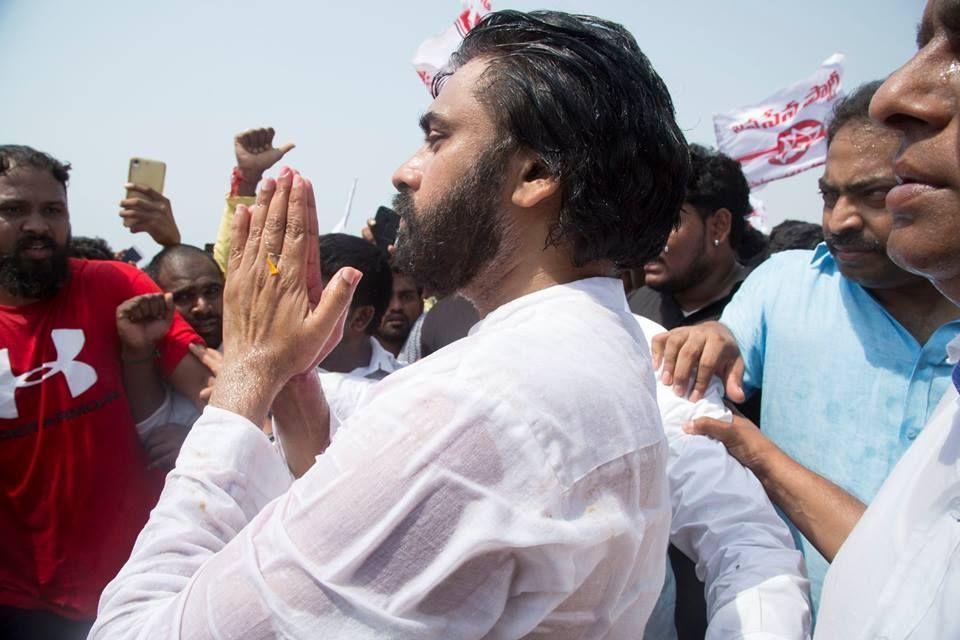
[(80, 376)]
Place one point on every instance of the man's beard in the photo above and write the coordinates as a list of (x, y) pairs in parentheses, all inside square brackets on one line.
[(34, 279), (443, 246), (698, 270)]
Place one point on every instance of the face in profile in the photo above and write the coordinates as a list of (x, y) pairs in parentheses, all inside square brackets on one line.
[(450, 191), (922, 101), (34, 233), (683, 261)]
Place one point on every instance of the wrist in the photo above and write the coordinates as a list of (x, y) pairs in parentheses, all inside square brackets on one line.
[(171, 240), (242, 389), (244, 181), (134, 355), (767, 462)]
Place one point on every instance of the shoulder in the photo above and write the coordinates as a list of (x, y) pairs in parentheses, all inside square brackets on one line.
[(648, 327), (793, 262), (110, 273)]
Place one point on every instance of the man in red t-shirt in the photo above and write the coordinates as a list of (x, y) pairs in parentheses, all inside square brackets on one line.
[(75, 489)]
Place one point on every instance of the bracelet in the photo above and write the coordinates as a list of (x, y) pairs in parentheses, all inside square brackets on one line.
[(150, 358), (236, 177)]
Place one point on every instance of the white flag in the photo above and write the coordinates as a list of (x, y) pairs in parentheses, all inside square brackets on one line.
[(786, 133), (758, 217), (434, 53)]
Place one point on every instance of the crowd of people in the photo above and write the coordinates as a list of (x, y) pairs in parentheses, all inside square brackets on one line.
[(578, 396)]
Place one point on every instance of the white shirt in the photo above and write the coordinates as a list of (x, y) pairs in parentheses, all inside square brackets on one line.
[(723, 521), (511, 485), (382, 363), (897, 575)]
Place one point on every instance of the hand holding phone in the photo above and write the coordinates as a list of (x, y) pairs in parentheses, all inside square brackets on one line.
[(145, 208), (387, 222), (147, 173)]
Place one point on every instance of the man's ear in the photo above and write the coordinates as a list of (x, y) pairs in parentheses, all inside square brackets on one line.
[(719, 226), (359, 319), (535, 183)]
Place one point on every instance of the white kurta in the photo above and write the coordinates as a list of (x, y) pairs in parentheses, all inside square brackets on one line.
[(897, 575), (722, 519), (510, 485)]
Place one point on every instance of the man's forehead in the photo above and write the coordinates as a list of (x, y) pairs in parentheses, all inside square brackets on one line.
[(862, 148), (27, 183), (457, 100), (176, 284), (185, 271)]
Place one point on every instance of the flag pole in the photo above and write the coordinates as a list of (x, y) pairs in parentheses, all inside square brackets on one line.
[(341, 227), (353, 191)]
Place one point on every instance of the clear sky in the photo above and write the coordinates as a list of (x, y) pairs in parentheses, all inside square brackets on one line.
[(97, 82)]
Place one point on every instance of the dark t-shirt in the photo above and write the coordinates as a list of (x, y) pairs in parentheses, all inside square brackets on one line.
[(664, 310), (447, 321)]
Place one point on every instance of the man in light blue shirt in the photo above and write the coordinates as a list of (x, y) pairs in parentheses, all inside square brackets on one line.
[(848, 348)]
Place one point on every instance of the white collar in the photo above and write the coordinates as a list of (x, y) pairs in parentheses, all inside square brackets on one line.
[(607, 292)]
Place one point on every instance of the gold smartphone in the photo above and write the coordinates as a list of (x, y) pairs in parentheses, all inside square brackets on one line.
[(148, 173)]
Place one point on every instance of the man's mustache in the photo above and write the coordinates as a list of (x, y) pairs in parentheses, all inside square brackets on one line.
[(28, 241), (852, 241)]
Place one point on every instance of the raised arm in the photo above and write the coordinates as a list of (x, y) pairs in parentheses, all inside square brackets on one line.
[(146, 210), (141, 322), (255, 155)]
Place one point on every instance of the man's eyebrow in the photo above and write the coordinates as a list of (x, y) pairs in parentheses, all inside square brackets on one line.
[(859, 186), (924, 33), (874, 182), (432, 120)]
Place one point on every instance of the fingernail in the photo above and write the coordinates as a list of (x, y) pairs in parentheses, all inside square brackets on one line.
[(695, 396), (284, 171), (351, 276), (678, 389), (666, 378), (687, 427), (297, 180), (266, 184)]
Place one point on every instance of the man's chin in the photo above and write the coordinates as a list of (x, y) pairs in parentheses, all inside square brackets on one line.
[(659, 284), (393, 336)]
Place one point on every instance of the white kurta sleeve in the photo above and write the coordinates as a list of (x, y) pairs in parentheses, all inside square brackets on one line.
[(226, 473), (722, 519)]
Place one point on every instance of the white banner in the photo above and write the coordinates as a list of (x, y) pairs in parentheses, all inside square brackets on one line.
[(786, 133), (758, 217), (434, 53)]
